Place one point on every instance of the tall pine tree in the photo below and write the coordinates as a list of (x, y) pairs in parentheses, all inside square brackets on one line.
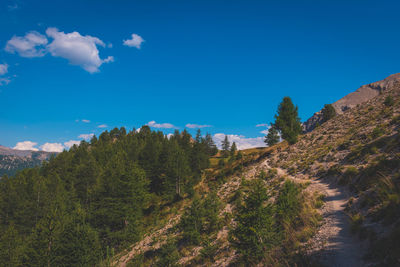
[(287, 120), (225, 146)]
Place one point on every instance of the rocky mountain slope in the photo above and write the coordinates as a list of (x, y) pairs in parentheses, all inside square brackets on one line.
[(348, 170), (12, 160), (360, 96)]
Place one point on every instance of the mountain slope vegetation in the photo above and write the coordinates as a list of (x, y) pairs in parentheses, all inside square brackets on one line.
[(342, 206), (143, 199), (96, 198)]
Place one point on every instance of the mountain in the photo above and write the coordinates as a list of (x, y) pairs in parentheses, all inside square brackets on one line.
[(360, 96), (145, 199), (333, 199), (12, 160)]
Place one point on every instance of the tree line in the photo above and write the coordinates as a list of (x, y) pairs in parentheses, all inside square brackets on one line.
[(92, 199)]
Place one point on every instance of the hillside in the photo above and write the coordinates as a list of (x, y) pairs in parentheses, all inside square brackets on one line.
[(358, 97), (348, 169), (12, 160), (145, 199)]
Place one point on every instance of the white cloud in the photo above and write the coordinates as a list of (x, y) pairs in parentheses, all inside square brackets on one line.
[(26, 145), (262, 125), (77, 49), (4, 81), (194, 126), (3, 68), (70, 143), (52, 147), (241, 141), (86, 136), (264, 132), (86, 121), (102, 126), (30, 45), (136, 41), (160, 125)]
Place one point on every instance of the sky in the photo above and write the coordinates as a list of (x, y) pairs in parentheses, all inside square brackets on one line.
[(71, 69)]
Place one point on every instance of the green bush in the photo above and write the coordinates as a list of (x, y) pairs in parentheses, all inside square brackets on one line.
[(395, 120), (208, 251), (169, 255), (377, 131), (288, 204), (389, 101)]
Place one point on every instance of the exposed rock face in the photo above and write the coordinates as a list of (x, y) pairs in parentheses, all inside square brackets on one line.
[(361, 95)]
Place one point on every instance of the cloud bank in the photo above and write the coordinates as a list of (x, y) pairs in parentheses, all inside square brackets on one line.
[(26, 145), (241, 141), (70, 143), (52, 147)]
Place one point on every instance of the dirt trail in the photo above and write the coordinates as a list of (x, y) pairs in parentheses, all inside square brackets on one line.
[(334, 244)]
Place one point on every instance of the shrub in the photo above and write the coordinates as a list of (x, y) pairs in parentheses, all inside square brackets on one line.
[(169, 255), (351, 171), (395, 120), (356, 222), (388, 101), (288, 204), (272, 173), (348, 175), (262, 175), (319, 201), (208, 251), (377, 131)]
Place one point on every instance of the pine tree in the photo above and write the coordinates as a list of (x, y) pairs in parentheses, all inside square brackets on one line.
[(328, 112), (210, 145), (233, 150), (287, 121), (272, 137), (225, 146), (255, 232), (211, 211), (192, 222), (10, 250)]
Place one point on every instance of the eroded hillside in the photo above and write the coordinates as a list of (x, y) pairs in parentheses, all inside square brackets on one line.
[(346, 211)]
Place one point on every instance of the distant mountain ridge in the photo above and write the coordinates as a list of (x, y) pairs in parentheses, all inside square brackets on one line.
[(13, 160), (360, 96)]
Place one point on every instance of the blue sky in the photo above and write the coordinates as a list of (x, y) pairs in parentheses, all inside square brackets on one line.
[(224, 64)]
